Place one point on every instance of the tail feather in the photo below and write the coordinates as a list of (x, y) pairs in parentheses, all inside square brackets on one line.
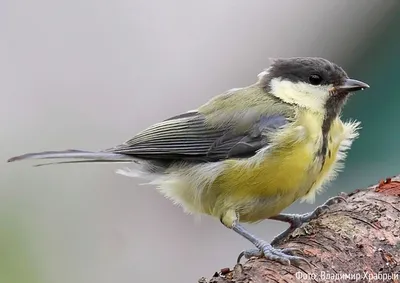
[(84, 161), (83, 156)]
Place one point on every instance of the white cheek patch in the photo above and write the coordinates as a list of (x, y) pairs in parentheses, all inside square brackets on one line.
[(300, 93)]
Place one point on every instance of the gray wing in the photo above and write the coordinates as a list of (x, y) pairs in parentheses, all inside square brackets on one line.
[(188, 137)]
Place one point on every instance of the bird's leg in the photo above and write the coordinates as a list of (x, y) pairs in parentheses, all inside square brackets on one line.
[(296, 220), (264, 249)]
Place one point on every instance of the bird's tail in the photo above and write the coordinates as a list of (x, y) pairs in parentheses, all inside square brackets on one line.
[(81, 156)]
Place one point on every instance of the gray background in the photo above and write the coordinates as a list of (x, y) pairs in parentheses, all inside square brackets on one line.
[(90, 74)]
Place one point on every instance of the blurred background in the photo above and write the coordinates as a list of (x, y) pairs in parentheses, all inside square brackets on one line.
[(90, 74)]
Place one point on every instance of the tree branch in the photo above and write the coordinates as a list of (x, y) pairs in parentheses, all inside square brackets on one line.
[(354, 241)]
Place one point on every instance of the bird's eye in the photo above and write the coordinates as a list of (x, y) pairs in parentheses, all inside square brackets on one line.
[(315, 79)]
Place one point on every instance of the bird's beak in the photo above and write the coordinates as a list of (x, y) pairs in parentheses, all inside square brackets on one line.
[(350, 85)]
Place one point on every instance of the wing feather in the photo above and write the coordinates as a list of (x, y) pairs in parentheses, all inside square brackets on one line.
[(188, 137)]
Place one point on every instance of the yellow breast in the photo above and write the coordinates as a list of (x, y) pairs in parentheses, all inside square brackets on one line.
[(269, 182), (340, 138), (265, 184)]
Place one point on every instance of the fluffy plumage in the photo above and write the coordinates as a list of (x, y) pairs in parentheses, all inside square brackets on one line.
[(249, 152)]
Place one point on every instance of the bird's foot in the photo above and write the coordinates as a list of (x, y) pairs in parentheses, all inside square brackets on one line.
[(265, 250), (296, 220)]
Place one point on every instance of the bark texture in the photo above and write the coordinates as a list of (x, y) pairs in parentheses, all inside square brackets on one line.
[(357, 241)]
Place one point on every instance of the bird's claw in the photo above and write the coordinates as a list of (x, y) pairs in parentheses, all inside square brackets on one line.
[(307, 217), (296, 220), (283, 256), (335, 199), (291, 251)]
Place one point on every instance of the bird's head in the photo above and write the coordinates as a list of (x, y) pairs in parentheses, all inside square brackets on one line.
[(313, 83)]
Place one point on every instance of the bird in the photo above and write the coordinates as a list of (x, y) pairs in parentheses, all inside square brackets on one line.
[(248, 153)]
